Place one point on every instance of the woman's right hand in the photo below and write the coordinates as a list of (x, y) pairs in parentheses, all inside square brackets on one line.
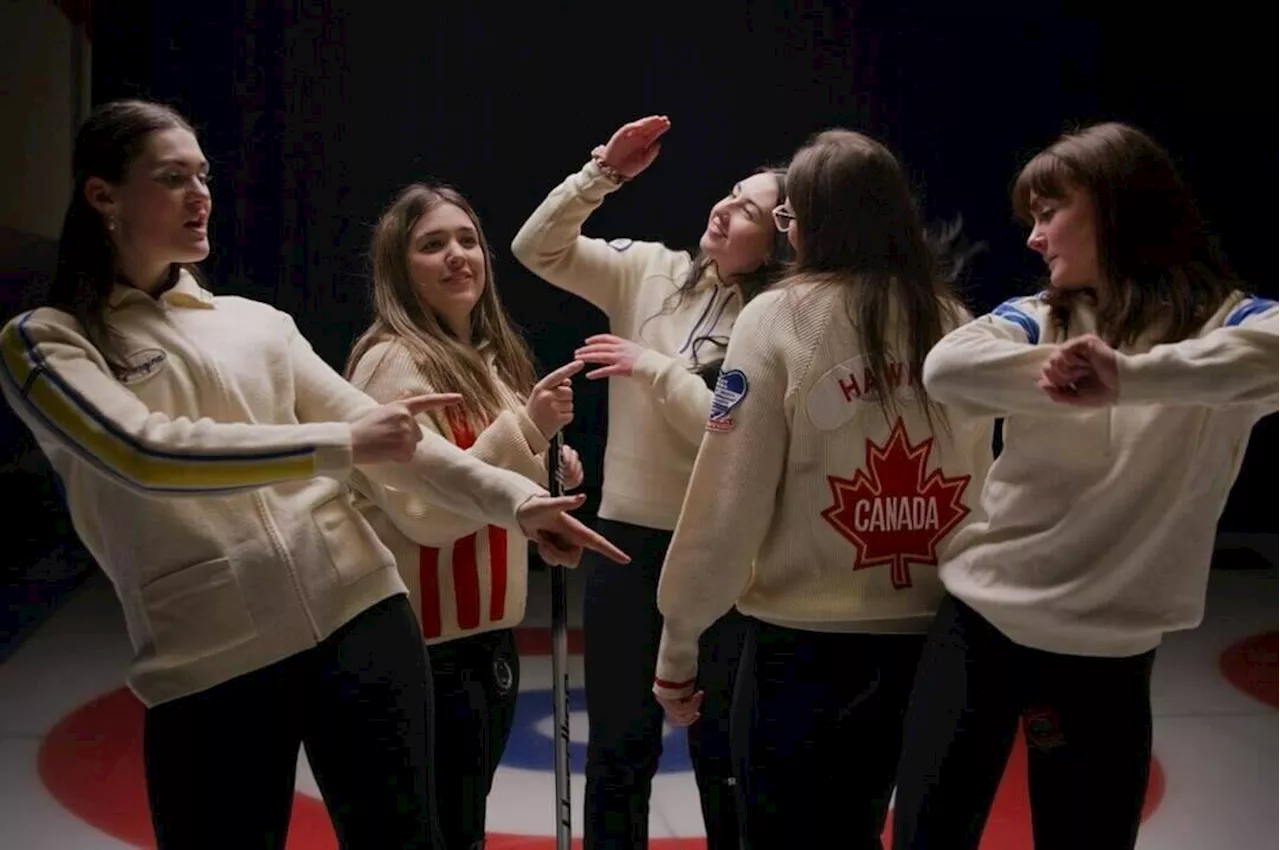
[(559, 537), (550, 403), (390, 432), (634, 146)]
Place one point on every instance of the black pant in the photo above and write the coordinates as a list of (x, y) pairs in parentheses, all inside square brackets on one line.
[(220, 764), (1088, 729), (621, 630), (475, 684), (817, 726)]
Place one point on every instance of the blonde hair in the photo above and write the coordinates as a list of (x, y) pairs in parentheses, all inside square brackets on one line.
[(447, 363)]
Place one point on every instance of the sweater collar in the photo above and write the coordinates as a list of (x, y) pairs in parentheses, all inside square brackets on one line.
[(185, 292)]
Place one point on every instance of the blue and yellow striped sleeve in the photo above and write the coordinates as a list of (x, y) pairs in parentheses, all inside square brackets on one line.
[(61, 388)]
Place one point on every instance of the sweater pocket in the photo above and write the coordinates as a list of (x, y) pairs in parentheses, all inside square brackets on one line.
[(353, 546), (197, 611)]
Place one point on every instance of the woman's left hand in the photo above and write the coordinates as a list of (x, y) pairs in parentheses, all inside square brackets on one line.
[(681, 711), (616, 356), (571, 474)]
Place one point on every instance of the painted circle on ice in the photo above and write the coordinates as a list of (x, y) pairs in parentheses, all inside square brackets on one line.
[(532, 744), (1250, 665), (91, 763)]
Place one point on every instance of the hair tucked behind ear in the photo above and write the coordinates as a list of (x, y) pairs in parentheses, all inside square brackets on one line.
[(108, 142)]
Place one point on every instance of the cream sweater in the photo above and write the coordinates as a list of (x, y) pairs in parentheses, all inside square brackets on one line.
[(464, 577), (1100, 522), (208, 481), (654, 422), (808, 506)]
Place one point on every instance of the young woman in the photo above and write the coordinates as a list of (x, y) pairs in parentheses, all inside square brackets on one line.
[(1129, 387), (670, 315), (439, 326), (204, 448), (825, 490)]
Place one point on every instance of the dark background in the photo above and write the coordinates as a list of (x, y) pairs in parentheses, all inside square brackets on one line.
[(314, 113)]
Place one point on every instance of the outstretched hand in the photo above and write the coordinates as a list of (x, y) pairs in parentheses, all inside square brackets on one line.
[(634, 146), (617, 356), (1082, 372), (390, 432), (559, 537)]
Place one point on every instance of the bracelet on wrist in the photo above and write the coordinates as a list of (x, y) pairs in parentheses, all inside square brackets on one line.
[(609, 171)]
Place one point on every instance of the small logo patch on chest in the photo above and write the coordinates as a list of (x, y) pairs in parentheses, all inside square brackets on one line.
[(142, 364)]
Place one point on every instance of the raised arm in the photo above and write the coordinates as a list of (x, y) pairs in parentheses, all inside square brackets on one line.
[(730, 501), (991, 365), (62, 388), (551, 245)]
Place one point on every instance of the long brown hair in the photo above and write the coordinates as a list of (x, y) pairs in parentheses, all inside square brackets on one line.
[(1161, 268), (107, 143), (447, 363), (857, 226)]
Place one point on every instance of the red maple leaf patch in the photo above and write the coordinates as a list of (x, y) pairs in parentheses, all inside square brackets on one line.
[(891, 511)]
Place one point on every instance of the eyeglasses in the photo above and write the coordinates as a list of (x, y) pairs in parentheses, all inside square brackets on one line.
[(782, 218)]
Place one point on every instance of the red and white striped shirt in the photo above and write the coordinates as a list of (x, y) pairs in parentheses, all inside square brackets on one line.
[(463, 578)]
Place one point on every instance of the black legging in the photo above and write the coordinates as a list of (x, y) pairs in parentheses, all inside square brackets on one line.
[(220, 764), (621, 630), (475, 683), (817, 726), (1088, 732)]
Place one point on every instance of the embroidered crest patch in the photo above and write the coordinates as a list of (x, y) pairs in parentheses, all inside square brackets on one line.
[(731, 389), (893, 510)]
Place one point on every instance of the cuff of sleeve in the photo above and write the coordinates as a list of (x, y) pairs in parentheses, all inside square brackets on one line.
[(525, 490), (673, 690), (677, 669), (594, 185), (332, 441), (650, 365), (535, 439)]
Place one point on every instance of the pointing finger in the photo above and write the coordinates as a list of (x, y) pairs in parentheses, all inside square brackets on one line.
[(561, 375)]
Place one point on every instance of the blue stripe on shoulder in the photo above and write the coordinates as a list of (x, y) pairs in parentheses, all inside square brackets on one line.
[(1010, 313), (1249, 307)]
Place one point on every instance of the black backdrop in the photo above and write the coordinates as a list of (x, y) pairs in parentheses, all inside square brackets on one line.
[(314, 113)]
